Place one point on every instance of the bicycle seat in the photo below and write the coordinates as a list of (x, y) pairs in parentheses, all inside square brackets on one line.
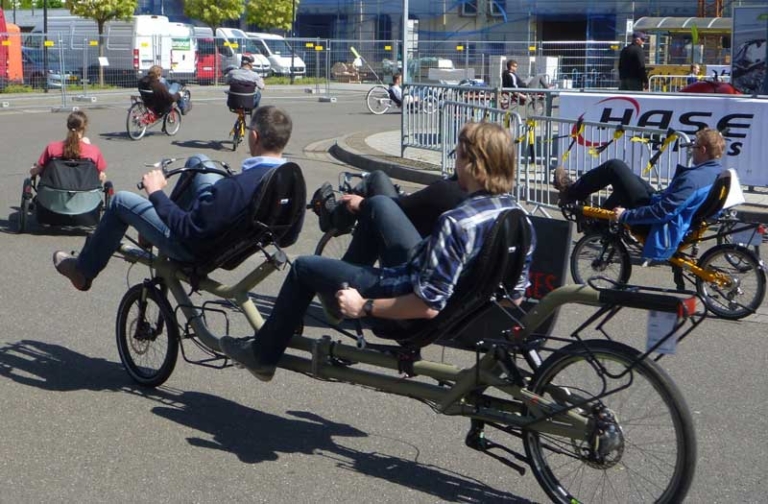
[(497, 267), (274, 216)]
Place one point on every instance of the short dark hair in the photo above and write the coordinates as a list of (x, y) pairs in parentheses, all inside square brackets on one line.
[(511, 63), (396, 76), (274, 127)]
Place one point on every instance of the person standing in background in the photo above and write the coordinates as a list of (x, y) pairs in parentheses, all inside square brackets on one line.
[(632, 75), (695, 74)]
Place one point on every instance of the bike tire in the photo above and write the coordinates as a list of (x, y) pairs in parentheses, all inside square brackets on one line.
[(597, 254), (430, 105), (24, 211), (172, 122), (236, 134), (333, 245), (743, 266), (654, 456), (147, 335), (134, 122), (377, 99), (186, 94)]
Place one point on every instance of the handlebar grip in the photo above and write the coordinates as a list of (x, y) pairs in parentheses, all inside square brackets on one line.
[(344, 286)]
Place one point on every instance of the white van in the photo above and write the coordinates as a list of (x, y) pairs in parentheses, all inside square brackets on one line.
[(279, 53), (240, 42), (130, 47), (183, 52)]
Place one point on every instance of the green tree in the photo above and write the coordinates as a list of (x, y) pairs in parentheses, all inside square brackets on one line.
[(213, 13), (102, 11), (271, 13)]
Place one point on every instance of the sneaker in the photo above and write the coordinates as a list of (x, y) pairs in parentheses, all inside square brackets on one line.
[(66, 265), (241, 351), (331, 308), (562, 181)]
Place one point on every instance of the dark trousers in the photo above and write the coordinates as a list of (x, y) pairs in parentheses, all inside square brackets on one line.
[(630, 85), (629, 190)]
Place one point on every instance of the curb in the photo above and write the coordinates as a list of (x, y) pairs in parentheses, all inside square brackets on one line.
[(419, 173)]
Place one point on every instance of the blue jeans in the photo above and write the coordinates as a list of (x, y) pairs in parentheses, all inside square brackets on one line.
[(173, 88), (383, 232), (130, 209)]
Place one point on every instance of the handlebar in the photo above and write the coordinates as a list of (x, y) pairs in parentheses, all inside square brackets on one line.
[(164, 163)]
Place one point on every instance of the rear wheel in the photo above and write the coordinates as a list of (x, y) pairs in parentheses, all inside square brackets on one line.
[(378, 100), (172, 122), (237, 134), (135, 122), (746, 287), (186, 94), (24, 210), (147, 335), (640, 445), (599, 255)]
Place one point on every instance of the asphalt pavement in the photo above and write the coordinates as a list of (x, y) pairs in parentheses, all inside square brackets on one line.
[(76, 428)]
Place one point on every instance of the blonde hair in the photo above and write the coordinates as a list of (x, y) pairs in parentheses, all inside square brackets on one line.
[(713, 141), (76, 124), (489, 151)]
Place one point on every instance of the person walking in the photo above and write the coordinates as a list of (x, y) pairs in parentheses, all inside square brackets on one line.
[(632, 75)]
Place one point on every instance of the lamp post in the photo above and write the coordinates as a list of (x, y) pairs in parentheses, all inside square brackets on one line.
[(45, 46), (293, 34)]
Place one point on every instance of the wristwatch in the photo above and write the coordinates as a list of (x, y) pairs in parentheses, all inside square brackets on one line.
[(368, 307)]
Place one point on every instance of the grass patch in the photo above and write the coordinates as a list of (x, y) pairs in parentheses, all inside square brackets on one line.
[(17, 89), (282, 80)]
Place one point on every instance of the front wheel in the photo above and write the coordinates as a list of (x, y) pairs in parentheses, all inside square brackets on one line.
[(378, 100), (600, 255), (135, 123), (430, 105), (172, 122), (333, 245), (147, 335), (640, 444), (744, 290)]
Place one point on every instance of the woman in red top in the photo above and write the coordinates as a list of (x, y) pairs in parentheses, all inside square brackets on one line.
[(76, 146)]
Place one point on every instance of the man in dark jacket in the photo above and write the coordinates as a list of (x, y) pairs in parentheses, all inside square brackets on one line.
[(509, 78), (632, 76), (185, 229), (667, 213)]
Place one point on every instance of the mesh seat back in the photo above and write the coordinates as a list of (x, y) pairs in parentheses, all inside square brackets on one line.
[(499, 264), (69, 187), (275, 215), (715, 200)]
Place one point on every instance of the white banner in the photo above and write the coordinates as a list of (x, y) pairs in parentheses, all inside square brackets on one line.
[(742, 120)]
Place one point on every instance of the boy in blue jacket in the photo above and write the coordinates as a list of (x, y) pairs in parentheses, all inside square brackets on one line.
[(667, 213), (186, 228)]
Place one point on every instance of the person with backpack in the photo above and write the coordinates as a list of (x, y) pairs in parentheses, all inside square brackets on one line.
[(242, 82)]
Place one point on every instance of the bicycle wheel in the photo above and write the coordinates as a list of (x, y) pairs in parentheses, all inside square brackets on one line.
[(186, 94), (134, 123), (147, 335), (172, 122), (333, 245), (378, 100), (430, 105), (642, 447), (746, 291), (24, 209), (600, 255), (237, 134)]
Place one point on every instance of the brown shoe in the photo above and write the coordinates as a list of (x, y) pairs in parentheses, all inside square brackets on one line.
[(67, 266)]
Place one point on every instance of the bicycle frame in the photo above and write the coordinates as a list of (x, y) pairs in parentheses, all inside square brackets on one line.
[(679, 260), (525, 410)]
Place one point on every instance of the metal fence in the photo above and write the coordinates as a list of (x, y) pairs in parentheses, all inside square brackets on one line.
[(572, 64), (546, 142)]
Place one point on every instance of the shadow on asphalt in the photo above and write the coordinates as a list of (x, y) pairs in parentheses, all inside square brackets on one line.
[(11, 226), (252, 435)]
